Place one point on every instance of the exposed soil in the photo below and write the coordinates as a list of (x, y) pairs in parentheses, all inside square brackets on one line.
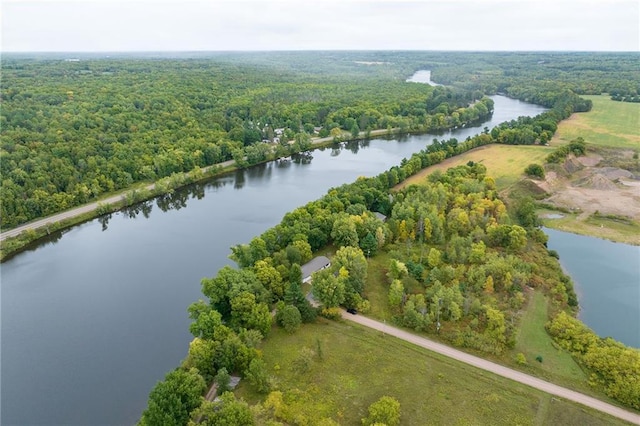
[(585, 185)]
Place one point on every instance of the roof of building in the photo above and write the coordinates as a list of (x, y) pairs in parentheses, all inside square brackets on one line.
[(314, 265), (380, 216)]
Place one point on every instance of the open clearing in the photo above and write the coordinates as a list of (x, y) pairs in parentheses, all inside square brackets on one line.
[(357, 366), (609, 124), (505, 163)]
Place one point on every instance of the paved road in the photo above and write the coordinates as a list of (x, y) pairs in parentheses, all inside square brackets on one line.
[(496, 368), (116, 198), (81, 210)]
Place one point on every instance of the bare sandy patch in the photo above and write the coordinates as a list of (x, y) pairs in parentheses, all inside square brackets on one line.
[(608, 190)]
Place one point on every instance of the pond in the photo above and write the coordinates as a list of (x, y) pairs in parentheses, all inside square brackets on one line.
[(606, 276)]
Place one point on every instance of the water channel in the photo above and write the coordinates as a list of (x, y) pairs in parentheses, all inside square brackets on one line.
[(94, 317)]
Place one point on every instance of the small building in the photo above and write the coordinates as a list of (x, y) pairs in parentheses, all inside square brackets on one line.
[(380, 216), (315, 264)]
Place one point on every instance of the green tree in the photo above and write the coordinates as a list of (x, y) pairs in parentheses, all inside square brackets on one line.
[(258, 376), (353, 261), (294, 296), (344, 232), (385, 411), (222, 379), (397, 270), (227, 411), (396, 293), (270, 278), (434, 258), (246, 313), (201, 356), (496, 326), (327, 288), (207, 322), (369, 245), (289, 318), (228, 284), (172, 400)]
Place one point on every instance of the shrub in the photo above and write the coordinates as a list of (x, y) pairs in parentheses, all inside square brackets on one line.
[(535, 170)]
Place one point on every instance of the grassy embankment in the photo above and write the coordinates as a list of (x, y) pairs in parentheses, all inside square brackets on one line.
[(609, 129), (355, 366)]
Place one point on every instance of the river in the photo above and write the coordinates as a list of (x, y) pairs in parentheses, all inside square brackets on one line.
[(94, 317)]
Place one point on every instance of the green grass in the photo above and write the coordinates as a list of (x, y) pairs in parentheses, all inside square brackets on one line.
[(376, 288), (359, 365), (609, 123), (602, 227), (505, 163), (533, 341)]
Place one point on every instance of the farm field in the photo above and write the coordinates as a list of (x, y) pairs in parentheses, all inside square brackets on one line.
[(609, 124)]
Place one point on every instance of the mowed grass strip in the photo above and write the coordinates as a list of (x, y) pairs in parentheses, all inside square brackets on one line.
[(505, 163), (533, 341), (357, 366), (609, 124)]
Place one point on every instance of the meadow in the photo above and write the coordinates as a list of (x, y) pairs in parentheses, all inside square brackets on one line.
[(353, 366), (609, 124)]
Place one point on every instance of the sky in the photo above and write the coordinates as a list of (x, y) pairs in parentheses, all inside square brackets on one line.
[(226, 25)]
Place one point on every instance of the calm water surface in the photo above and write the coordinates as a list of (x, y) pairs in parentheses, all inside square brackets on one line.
[(606, 277), (92, 320)]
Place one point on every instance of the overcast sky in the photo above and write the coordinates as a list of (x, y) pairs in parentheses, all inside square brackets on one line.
[(179, 25)]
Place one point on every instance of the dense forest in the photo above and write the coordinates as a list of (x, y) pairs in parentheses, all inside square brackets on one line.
[(75, 130)]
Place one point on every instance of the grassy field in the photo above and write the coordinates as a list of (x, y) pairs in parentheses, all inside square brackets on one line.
[(533, 341), (505, 163), (357, 366), (610, 124)]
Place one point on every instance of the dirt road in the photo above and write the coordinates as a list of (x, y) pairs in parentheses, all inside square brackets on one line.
[(496, 368)]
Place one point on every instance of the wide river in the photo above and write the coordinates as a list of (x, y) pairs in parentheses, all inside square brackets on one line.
[(93, 318)]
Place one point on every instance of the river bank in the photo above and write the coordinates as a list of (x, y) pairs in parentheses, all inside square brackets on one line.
[(17, 239)]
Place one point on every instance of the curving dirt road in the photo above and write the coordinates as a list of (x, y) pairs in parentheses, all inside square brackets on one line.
[(496, 368)]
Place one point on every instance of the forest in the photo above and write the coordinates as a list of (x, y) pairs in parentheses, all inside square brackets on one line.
[(75, 130)]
